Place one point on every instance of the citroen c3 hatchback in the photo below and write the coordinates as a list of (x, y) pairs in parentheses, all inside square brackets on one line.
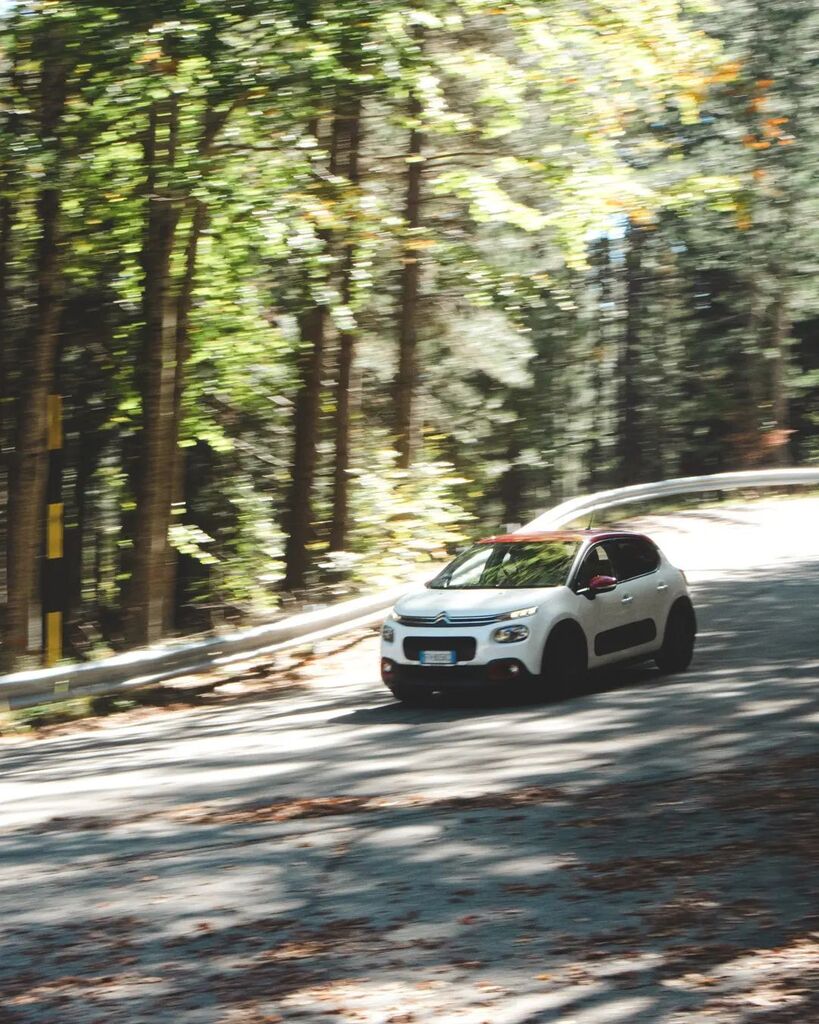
[(540, 609)]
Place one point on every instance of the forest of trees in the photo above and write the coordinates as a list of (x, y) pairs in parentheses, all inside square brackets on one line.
[(325, 285)]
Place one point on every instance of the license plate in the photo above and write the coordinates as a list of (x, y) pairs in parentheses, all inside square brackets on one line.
[(438, 657)]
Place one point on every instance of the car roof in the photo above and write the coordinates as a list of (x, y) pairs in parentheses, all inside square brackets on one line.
[(579, 536)]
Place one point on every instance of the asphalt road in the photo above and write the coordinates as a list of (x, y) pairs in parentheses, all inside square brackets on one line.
[(643, 852)]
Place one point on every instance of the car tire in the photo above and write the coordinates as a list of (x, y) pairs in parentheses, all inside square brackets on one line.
[(678, 640), (565, 663)]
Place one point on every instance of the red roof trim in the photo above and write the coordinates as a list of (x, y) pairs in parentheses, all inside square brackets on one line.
[(512, 538), (594, 536), (612, 534)]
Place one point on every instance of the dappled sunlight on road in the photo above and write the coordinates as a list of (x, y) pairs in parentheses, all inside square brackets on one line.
[(641, 852), (753, 684), (545, 900)]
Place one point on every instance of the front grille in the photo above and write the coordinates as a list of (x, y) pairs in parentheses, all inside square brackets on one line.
[(448, 621), (464, 646), (463, 675)]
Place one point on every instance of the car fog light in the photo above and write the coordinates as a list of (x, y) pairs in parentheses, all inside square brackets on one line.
[(387, 632), (510, 634), (504, 669)]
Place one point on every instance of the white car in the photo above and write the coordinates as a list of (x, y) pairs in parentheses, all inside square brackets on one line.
[(541, 609)]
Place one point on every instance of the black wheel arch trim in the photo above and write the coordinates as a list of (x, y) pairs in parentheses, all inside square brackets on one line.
[(567, 625)]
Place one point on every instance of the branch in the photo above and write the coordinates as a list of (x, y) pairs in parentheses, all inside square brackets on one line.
[(463, 152), (433, 158), (215, 121)]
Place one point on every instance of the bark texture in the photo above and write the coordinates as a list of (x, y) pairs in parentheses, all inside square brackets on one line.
[(349, 124), (406, 384), (6, 389), (26, 523), (27, 515), (298, 518), (780, 406), (513, 480), (184, 304), (148, 595), (631, 456), (166, 308)]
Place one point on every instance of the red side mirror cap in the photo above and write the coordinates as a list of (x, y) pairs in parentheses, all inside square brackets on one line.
[(602, 584)]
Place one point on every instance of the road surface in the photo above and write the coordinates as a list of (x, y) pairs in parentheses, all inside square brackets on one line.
[(642, 853)]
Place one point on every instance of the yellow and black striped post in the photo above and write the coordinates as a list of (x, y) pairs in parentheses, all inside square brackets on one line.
[(53, 574)]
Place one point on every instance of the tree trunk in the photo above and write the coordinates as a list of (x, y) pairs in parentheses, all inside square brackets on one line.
[(780, 406), (184, 303), (351, 131), (148, 596), (631, 460), (406, 384), (213, 123), (299, 513), (748, 389), (76, 539), (512, 483), (6, 390), (599, 454), (26, 523), (27, 520), (10, 369), (6, 225)]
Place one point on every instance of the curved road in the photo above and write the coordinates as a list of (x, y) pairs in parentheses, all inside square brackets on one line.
[(644, 852)]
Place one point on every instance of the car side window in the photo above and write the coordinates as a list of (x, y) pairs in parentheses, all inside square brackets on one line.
[(596, 563), (633, 556)]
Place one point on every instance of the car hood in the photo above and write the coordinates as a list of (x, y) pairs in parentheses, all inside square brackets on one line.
[(470, 602)]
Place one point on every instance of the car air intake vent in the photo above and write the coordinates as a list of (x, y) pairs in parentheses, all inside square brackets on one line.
[(464, 646), (445, 620)]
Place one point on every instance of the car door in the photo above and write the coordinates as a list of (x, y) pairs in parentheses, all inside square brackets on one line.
[(603, 616), (636, 562)]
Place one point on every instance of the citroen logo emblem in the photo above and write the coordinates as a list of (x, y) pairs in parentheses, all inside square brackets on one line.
[(442, 617)]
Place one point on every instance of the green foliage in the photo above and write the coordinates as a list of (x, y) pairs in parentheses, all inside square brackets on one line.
[(613, 260), (404, 519)]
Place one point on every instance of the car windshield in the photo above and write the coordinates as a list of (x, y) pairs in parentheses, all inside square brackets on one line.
[(509, 565)]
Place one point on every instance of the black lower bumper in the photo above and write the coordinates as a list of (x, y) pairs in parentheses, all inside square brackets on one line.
[(429, 679)]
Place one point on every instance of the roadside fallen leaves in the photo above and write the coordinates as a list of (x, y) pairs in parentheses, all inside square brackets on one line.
[(673, 893)]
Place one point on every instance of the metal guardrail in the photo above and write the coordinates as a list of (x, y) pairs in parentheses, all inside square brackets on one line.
[(149, 666), (587, 505)]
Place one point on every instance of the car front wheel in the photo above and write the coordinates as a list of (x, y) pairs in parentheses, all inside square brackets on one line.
[(565, 662), (678, 642)]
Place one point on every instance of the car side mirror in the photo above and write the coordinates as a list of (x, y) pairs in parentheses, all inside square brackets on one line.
[(602, 584)]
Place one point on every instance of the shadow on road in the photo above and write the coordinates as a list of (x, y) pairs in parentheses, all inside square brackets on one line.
[(753, 684), (644, 852)]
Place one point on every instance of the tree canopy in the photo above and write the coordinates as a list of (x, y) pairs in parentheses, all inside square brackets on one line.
[(326, 286)]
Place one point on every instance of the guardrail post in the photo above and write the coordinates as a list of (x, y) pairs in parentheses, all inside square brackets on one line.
[(53, 600)]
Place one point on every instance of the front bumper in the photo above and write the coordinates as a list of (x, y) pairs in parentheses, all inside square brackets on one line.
[(429, 678), (475, 646)]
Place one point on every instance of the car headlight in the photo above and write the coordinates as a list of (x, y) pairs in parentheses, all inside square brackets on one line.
[(520, 613), (510, 634), (387, 632)]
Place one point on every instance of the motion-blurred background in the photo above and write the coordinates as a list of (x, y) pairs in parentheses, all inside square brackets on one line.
[(293, 294)]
